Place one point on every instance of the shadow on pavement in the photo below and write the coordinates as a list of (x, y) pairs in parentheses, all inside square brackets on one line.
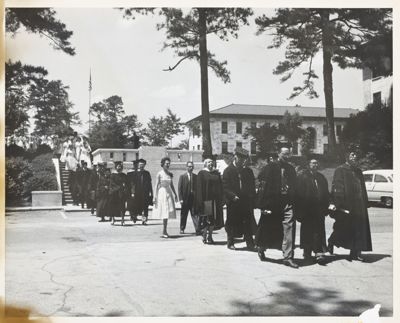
[(368, 257), (293, 299)]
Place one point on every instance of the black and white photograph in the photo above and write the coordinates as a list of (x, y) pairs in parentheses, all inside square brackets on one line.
[(200, 160)]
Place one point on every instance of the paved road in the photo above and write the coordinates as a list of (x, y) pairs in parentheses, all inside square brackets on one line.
[(68, 264)]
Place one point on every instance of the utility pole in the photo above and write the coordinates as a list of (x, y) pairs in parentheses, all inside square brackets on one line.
[(90, 95)]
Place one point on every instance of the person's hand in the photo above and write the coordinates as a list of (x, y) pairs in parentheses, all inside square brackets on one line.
[(132, 195), (181, 201), (332, 207), (236, 198)]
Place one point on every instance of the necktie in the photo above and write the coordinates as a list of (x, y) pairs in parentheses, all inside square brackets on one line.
[(190, 183)]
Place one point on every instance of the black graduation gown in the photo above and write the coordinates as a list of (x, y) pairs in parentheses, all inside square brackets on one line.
[(209, 188), (269, 233), (311, 207), (142, 189), (350, 231), (119, 189), (102, 196), (239, 182)]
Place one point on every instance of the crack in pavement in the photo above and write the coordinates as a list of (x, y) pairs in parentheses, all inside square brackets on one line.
[(64, 299)]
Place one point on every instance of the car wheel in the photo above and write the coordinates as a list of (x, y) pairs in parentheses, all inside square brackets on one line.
[(388, 202)]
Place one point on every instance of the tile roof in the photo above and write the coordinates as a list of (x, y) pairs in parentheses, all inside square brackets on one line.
[(278, 110)]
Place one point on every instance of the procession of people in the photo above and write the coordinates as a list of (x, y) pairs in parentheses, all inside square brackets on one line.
[(283, 196)]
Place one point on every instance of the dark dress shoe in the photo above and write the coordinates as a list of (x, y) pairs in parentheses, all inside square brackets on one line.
[(210, 240), (290, 263), (261, 255), (231, 246), (321, 260), (330, 248)]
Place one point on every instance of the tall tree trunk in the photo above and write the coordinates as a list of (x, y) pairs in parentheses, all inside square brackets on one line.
[(328, 88), (205, 114)]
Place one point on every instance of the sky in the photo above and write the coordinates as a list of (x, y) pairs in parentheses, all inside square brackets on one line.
[(125, 58)]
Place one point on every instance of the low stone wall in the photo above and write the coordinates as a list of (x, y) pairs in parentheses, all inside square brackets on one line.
[(46, 198)]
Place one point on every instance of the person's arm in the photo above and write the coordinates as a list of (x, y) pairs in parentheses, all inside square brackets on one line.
[(173, 190), (226, 185), (180, 188), (156, 188), (338, 189)]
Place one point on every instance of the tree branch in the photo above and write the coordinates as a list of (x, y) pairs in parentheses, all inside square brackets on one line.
[(169, 69)]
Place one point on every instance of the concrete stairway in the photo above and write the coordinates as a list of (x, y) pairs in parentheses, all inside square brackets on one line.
[(67, 197)]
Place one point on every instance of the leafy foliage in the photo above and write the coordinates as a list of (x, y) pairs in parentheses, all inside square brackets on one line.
[(40, 21), (20, 82), (291, 127), (27, 89), (302, 31), (160, 130), (18, 171), (111, 127), (371, 131), (265, 137), (338, 33), (54, 114)]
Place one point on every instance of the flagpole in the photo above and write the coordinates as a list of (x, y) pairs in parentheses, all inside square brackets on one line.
[(90, 94)]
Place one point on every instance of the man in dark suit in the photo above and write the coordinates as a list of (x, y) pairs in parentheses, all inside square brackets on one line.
[(142, 191), (277, 226), (239, 192), (186, 190)]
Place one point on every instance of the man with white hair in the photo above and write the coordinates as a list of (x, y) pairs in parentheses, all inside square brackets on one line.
[(277, 226)]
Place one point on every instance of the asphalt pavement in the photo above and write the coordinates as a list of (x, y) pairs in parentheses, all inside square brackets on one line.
[(68, 264)]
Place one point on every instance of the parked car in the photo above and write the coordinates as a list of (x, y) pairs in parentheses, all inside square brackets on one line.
[(379, 184)]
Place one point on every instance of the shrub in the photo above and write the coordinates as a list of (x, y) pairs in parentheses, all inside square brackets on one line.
[(18, 172), (44, 175)]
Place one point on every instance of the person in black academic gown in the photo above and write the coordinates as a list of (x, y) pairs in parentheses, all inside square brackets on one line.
[(141, 191), (119, 190), (102, 194), (277, 225), (239, 193), (351, 229), (209, 201), (311, 207)]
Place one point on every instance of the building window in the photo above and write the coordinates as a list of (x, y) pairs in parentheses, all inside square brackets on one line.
[(123, 156), (253, 147), (111, 155), (253, 125), (224, 147), (238, 127), (377, 98), (196, 131), (325, 130), (313, 137), (198, 147), (194, 148), (239, 144), (224, 126), (338, 130)]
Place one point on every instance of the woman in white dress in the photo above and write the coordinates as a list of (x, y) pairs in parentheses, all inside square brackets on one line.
[(164, 205), (78, 149), (85, 154)]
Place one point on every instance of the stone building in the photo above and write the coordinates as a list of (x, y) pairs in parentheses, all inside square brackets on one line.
[(229, 123)]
